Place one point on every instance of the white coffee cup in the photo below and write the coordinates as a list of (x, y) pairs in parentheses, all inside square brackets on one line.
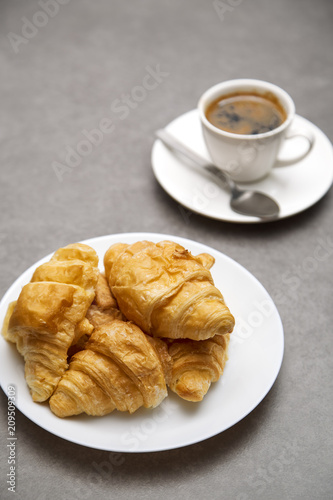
[(248, 158)]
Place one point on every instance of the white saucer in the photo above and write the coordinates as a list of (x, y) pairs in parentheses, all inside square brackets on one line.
[(295, 187)]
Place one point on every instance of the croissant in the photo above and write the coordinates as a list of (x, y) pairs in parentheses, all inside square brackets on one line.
[(167, 291), (118, 369), (43, 325), (50, 315), (196, 365), (77, 251), (75, 264)]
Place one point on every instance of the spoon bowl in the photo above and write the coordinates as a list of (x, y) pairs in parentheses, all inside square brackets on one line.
[(246, 201), (256, 203)]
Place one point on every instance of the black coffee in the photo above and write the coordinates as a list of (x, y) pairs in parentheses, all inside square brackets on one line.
[(246, 113)]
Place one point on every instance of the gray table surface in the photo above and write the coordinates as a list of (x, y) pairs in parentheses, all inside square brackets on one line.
[(61, 78)]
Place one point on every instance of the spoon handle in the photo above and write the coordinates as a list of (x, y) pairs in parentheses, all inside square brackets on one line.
[(173, 143)]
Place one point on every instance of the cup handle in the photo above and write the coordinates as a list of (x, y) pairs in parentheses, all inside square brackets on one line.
[(296, 132)]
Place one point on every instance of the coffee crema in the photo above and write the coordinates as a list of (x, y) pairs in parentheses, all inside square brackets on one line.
[(246, 113)]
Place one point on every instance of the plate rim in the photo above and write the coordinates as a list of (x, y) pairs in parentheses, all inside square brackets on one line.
[(183, 241)]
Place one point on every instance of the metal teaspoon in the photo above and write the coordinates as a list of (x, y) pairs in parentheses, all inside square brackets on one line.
[(245, 202)]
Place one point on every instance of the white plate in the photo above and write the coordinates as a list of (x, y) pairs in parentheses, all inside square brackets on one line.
[(295, 187), (255, 357)]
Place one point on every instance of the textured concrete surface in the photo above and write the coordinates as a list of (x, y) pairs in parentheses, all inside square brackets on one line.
[(68, 75)]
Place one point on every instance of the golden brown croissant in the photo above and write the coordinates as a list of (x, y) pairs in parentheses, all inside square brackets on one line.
[(77, 251), (167, 291), (73, 272), (196, 365), (50, 315), (43, 326), (75, 264), (118, 369)]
